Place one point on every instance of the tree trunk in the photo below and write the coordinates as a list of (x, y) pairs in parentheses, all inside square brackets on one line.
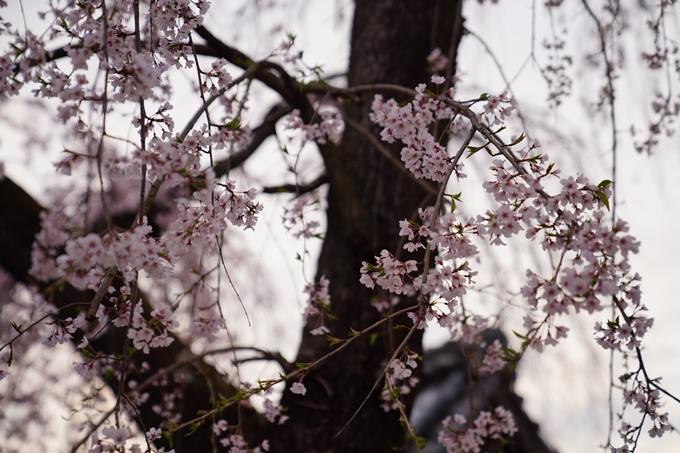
[(391, 40)]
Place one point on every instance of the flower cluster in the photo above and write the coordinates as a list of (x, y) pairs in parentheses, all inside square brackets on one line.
[(645, 397), (154, 333), (496, 109), (273, 412), (199, 223), (319, 303), (234, 441), (487, 425), (296, 217), (219, 73), (328, 127), (114, 440), (445, 282), (592, 254), (388, 273), (493, 358), (399, 380), (63, 329), (437, 60), (134, 250), (422, 155)]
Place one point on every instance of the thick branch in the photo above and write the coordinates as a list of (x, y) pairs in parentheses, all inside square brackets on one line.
[(271, 74), (298, 189)]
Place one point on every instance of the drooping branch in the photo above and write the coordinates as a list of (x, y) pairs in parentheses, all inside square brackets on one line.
[(19, 223)]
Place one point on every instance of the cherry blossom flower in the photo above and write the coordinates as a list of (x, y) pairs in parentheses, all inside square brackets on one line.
[(298, 388), (154, 433)]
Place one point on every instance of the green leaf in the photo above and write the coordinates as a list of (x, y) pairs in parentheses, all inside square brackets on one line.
[(302, 365), (372, 339), (16, 327), (523, 337), (240, 394), (193, 428), (603, 198), (518, 139), (460, 268), (472, 150), (353, 333), (510, 351), (234, 124), (369, 267), (454, 198), (168, 437), (614, 324), (333, 340), (605, 183)]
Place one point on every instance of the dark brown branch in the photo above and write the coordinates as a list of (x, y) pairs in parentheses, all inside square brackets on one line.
[(276, 78), (259, 135), (271, 74), (298, 189)]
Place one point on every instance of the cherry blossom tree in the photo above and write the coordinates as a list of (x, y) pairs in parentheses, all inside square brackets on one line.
[(129, 264)]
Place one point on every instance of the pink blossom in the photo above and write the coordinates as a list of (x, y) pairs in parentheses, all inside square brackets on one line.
[(154, 433), (298, 388)]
